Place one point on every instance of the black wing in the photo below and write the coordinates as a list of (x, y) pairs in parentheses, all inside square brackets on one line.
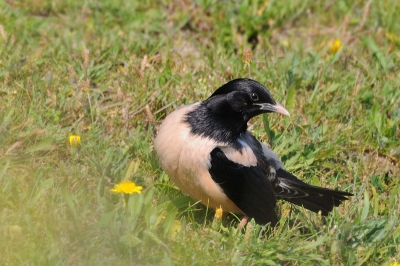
[(248, 187), (310, 197)]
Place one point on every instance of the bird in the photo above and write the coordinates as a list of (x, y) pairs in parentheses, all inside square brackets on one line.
[(208, 153)]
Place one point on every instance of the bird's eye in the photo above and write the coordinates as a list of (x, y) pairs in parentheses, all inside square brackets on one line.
[(254, 97)]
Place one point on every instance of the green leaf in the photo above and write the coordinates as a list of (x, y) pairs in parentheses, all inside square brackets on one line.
[(169, 219), (148, 195), (293, 160), (333, 87), (174, 229), (365, 210), (135, 204), (290, 99), (315, 181), (130, 240), (181, 202), (133, 166), (45, 144), (314, 244), (376, 201), (377, 116)]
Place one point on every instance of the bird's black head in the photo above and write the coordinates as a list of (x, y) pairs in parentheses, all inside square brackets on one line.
[(243, 97), (224, 115)]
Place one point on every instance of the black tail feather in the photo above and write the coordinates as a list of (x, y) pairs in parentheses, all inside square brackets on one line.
[(316, 199)]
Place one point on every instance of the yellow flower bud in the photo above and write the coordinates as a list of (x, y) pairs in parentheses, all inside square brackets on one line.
[(336, 46), (74, 140)]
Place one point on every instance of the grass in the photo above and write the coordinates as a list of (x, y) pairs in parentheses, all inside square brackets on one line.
[(110, 71)]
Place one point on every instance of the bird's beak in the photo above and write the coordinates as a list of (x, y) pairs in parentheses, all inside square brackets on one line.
[(275, 108), (280, 109)]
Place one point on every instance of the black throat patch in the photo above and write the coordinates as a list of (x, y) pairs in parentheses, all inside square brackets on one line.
[(226, 128)]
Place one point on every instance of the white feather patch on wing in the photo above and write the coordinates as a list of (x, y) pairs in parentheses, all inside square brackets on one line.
[(245, 156)]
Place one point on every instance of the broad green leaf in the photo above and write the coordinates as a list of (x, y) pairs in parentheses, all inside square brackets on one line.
[(315, 181)]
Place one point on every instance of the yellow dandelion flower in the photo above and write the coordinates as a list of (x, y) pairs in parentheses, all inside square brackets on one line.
[(127, 187), (74, 140), (394, 264), (218, 214), (336, 46)]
